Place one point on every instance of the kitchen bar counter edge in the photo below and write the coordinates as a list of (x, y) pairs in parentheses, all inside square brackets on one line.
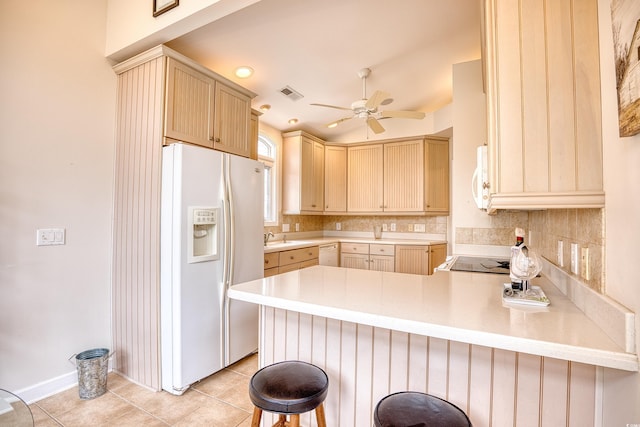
[(463, 307)]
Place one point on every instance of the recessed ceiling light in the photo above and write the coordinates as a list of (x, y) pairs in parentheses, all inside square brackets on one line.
[(265, 107), (293, 121), (243, 72)]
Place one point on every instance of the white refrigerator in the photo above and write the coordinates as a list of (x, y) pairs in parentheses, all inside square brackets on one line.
[(210, 239)]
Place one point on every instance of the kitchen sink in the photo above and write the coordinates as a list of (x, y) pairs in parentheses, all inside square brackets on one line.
[(280, 244)]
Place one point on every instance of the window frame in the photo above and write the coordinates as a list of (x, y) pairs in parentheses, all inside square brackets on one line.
[(272, 164)]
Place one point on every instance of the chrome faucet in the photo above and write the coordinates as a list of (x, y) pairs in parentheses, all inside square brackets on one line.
[(266, 237)]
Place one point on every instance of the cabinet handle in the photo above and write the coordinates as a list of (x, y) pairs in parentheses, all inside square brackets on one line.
[(266, 261), (485, 185), (291, 257), (313, 206), (214, 139)]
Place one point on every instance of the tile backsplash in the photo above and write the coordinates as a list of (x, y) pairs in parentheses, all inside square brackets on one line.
[(544, 229), (584, 227)]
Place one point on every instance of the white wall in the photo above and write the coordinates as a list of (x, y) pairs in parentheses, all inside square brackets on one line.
[(56, 161), (469, 132), (131, 27), (622, 227)]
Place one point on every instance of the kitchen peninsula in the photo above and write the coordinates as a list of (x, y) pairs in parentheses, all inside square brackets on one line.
[(448, 334)]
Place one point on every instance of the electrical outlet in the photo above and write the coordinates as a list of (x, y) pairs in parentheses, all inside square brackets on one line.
[(560, 254), (384, 227), (393, 226), (297, 226), (585, 264), (285, 228), (410, 227), (338, 226), (419, 228), (575, 261)]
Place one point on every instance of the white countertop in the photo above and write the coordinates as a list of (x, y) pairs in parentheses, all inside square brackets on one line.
[(458, 306), (279, 245)]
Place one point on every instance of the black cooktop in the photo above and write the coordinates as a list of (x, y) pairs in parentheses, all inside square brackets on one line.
[(481, 265)]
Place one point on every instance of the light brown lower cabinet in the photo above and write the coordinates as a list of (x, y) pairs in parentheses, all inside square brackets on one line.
[(378, 257), (414, 259), (294, 259)]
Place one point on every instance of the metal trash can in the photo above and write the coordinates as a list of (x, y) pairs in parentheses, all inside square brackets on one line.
[(92, 368)]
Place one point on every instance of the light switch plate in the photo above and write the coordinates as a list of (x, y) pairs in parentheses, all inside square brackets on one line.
[(50, 236), (285, 228), (419, 228), (560, 254), (393, 226), (575, 261)]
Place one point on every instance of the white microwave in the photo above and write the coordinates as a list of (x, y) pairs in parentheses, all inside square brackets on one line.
[(479, 184)]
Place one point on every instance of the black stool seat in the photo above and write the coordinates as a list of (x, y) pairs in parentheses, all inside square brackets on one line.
[(290, 387), (415, 409)]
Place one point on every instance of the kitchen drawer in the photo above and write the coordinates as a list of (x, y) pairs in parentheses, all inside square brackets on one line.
[(309, 263), (289, 267), (271, 260), (268, 272), (298, 255), (378, 249), (355, 248)]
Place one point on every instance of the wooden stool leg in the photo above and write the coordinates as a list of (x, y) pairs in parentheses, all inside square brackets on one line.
[(320, 416), (282, 421), (257, 414), (294, 421)]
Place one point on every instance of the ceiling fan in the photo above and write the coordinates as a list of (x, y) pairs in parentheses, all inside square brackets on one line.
[(368, 108)]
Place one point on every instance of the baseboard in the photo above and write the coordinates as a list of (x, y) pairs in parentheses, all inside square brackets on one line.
[(48, 388)]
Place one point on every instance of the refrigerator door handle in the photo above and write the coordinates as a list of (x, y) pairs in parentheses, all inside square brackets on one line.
[(229, 235)]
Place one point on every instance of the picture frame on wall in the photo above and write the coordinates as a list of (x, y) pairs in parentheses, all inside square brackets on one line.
[(162, 6), (625, 19)]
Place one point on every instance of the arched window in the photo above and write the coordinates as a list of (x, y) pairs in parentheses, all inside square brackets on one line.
[(267, 154)]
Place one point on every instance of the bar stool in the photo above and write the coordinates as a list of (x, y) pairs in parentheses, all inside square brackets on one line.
[(289, 388), (410, 408)]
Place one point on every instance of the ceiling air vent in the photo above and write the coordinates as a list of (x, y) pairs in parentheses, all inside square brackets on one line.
[(290, 93)]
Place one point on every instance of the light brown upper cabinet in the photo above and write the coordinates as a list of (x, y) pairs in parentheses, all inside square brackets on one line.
[(400, 177), (436, 176), (335, 179), (302, 173), (365, 178), (205, 111), (542, 73), (404, 176)]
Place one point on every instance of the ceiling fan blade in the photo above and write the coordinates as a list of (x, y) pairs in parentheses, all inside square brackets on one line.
[(375, 126), (376, 99), (403, 114), (337, 122), (331, 106)]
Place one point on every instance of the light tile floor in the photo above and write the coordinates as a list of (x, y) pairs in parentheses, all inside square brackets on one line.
[(221, 400)]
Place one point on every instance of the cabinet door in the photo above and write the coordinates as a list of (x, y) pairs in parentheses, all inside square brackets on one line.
[(365, 178), (254, 128), (436, 176), (189, 105), (312, 175), (381, 263), (231, 127), (404, 176), (335, 179), (318, 177), (360, 261), (543, 104), (412, 259), (437, 255)]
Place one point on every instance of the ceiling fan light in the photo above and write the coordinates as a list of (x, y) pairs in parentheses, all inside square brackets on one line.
[(243, 72)]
